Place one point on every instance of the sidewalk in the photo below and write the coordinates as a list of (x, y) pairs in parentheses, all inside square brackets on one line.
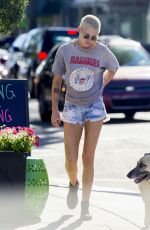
[(110, 209)]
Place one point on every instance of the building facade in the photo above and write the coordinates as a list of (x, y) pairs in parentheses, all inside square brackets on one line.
[(129, 18)]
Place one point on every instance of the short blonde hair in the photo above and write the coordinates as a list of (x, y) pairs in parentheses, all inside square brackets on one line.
[(92, 21)]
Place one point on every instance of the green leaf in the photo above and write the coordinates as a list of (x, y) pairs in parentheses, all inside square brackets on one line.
[(11, 13)]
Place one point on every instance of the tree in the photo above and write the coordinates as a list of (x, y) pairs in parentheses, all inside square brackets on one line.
[(11, 13)]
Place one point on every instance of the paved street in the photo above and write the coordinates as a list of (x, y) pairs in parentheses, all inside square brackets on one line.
[(115, 202), (120, 145)]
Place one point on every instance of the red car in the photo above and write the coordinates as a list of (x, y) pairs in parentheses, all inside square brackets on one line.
[(129, 91)]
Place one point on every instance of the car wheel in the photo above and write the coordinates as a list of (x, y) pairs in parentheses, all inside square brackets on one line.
[(129, 115), (44, 108)]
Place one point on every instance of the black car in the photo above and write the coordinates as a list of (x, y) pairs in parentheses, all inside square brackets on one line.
[(43, 84), (35, 48)]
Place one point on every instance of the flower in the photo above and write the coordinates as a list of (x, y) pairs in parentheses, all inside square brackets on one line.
[(17, 139)]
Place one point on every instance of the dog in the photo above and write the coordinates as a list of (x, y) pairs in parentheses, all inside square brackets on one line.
[(141, 176)]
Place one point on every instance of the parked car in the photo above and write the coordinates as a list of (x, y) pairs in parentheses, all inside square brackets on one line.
[(147, 47), (128, 92), (3, 59), (36, 47), (6, 41), (43, 84), (15, 55)]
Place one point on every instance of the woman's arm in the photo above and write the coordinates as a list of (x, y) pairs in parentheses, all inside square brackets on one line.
[(108, 76), (56, 88)]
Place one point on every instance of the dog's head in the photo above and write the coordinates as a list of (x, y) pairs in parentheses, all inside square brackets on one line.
[(142, 171)]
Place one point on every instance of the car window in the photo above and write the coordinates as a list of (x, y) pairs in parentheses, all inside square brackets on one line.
[(19, 41), (54, 37), (51, 57), (47, 64), (33, 42), (57, 39), (131, 55), (27, 42)]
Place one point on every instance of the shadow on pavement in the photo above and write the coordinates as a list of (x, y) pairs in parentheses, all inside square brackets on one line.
[(74, 225), (50, 135), (54, 225), (112, 120), (51, 138), (126, 121)]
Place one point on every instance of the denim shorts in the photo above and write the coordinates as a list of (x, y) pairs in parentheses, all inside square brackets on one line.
[(79, 114)]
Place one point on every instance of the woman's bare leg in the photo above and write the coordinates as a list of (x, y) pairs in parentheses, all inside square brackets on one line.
[(72, 136), (92, 131)]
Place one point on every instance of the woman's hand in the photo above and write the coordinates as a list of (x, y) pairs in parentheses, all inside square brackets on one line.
[(55, 118)]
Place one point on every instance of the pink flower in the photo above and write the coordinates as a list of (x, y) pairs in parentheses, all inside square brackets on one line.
[(18, 139)]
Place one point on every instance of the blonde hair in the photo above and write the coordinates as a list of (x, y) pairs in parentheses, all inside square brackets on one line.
[(92, 21)]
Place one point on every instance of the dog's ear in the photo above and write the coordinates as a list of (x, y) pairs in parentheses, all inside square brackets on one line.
[(146, 154)]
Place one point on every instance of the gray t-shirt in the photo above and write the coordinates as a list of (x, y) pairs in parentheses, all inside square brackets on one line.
[(83, 70)]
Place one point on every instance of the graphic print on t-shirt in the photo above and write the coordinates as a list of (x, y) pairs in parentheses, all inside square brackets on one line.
[(82, 79)]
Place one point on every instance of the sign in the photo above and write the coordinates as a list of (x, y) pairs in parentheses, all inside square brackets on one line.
[(14, 109)]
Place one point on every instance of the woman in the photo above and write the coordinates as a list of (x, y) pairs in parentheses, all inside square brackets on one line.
[(88, 67)]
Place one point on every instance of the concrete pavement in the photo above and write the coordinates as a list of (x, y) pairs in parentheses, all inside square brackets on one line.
[(110, 209)]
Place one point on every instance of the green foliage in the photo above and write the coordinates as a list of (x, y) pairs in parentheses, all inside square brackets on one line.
[(17, 139), (11, 13)]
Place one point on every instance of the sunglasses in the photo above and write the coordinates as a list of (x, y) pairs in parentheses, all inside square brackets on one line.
[(87, 36)]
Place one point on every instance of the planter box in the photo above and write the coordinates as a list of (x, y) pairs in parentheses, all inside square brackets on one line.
[(12, 170), (24, 188), (12, 186)]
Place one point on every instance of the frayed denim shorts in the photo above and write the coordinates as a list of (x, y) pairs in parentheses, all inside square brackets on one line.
[(79, 114)]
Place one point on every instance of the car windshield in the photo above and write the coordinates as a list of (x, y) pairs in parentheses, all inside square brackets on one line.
[(58, 39), (131, 55), (19, 41), (54, 37)]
